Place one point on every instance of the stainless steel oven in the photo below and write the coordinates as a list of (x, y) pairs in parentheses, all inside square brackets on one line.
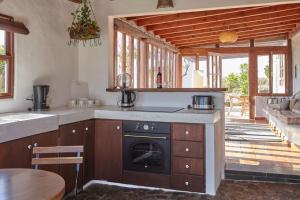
[(146, 146)]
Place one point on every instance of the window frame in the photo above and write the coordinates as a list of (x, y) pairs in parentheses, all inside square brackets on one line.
[(145, 77), (9, 57), (270, 54)]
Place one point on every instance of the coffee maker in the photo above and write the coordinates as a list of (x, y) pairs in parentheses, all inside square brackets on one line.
[(128, 98), (39, 98)]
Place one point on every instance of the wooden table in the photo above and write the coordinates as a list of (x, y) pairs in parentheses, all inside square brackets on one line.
[(30, 184)]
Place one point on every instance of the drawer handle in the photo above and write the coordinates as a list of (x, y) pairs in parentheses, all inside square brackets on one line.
[(187, 166), (73, 131), (118, 127), (187, 132), (87, 128), (187, 149), (186, 183)]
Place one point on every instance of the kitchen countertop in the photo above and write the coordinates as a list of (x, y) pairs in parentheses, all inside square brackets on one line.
[(19, 125)]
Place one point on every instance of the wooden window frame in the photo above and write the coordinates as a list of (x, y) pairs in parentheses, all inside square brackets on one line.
[(270, 54), (9, 57)]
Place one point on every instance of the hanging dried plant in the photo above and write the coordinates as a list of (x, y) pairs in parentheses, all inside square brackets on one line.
[(84, 26)]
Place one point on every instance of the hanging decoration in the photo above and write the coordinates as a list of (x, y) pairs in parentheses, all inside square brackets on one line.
[(165, 4), (228, 37), (84, 27)]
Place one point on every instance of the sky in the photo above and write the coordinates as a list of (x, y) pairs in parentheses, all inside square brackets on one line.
[(232, 65)]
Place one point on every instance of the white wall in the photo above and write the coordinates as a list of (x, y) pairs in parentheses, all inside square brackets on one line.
[(296, 61), (43, 56), (95, 64)]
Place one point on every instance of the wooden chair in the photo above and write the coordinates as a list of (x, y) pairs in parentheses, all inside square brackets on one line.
[(58, 160)]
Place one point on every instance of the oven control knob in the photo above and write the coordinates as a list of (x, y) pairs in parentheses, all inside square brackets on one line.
[(146, 166), (146, 127), (137, 126)]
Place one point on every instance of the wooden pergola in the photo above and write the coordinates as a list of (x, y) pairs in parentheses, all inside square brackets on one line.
[(193, 29)]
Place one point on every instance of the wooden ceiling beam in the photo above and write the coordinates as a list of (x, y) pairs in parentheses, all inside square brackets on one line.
[(238, 31), (251, 35), (259, 12), (269, 22), (229, 22), (76, 1), (216, 41), (184, 16), (136, 18)]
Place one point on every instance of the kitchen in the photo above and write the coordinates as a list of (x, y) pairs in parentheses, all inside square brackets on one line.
[(43, 57)]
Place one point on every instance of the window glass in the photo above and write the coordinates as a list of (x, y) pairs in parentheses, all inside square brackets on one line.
[(278, 73), (3, 76), (119, 52), (128, 54), (149, 64), (2, 43), (203, 69), (135, 62), (263, 73), (188, 66)]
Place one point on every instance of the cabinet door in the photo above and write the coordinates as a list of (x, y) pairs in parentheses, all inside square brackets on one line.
[(48, 139), (71, 135), (16, 153), (108, 150), (89, 150)]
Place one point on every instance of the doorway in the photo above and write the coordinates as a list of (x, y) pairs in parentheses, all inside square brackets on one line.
[(235, 77)]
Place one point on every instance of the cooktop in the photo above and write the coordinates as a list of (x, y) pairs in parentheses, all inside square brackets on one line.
[(157, 109)]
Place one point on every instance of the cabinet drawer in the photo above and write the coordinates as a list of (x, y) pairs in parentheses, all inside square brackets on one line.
[(188, 149), (187, 183), (188, 166), (189, 132)]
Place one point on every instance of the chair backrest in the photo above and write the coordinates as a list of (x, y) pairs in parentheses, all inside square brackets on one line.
[(37, 151)]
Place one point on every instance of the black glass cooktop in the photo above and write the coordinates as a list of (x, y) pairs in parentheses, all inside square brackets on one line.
[(157, 109)]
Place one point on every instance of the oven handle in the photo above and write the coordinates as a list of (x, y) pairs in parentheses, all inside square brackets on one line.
[(149, 137)]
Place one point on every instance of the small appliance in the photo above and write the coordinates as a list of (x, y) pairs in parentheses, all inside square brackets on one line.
[(203, 102), (40, 95), (124, 82), (128, 98)]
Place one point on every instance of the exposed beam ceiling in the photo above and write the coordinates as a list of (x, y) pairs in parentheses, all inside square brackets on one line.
[(204, 27)]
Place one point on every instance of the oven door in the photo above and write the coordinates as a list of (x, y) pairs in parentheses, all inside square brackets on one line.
[(147, 152)]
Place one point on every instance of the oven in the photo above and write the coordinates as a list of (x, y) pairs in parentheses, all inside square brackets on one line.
[(146, 146)]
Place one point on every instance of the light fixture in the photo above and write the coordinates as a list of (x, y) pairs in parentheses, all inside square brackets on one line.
[(84, 26), (228, 37), (165, 4)]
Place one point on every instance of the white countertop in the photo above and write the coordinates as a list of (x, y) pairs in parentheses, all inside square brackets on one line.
[(19, 125)]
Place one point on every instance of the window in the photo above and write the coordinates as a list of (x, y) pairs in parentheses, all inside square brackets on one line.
[(263, 74), (142, 60), (271, 74), (188, 68), (6, 64)]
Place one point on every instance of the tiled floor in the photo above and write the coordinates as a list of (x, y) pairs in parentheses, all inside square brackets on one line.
[(253, 147), (228, 190)]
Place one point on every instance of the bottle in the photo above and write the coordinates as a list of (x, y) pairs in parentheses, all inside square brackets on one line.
[(159, 79)]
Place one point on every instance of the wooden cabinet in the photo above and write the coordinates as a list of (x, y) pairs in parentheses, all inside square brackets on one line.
[(108, 150), (16, 153), (47, 140), (89, 150), (188, 157), (71, 135)]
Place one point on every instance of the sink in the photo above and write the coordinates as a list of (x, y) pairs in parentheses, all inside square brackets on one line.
[(21, 117), (19, 125)]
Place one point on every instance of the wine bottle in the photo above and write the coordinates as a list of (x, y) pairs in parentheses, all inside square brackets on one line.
[(159, 79)]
